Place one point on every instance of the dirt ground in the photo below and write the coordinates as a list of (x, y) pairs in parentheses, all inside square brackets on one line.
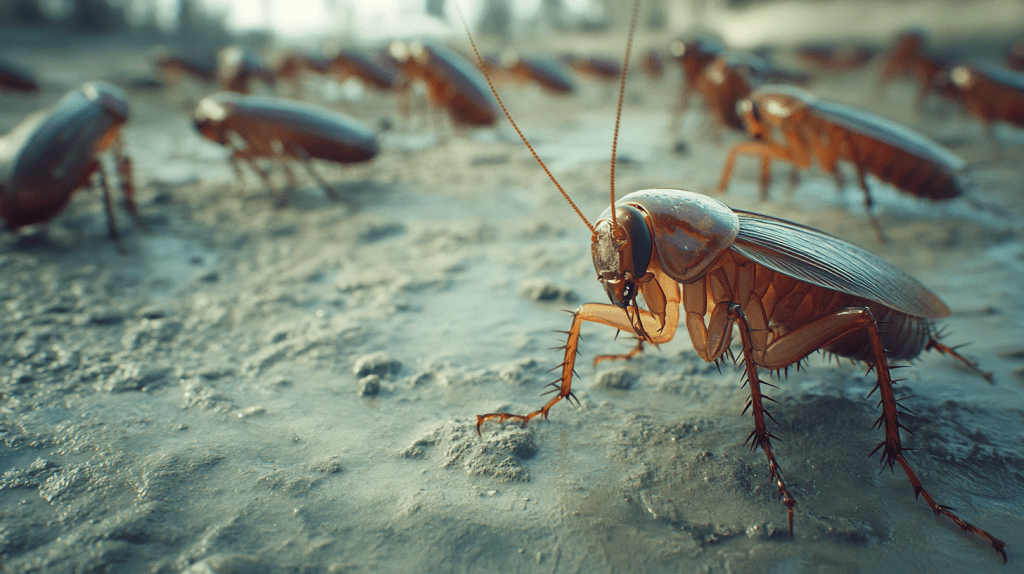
[(254, 389)]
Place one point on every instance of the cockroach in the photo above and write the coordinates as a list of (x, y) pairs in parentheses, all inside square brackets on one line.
[(16, 78), (990, 93), (791, 290), (374, 70), (255, 127), (452, 82), (200, 65), (909, 59), (1015, 56), (792, 125), (548, 73), (653, 65), (237, 67), (292, 65), (726, 81), (54, 152), (835, 58), (597, 68)]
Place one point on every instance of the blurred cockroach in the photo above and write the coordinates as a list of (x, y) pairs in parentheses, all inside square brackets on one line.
[(275, 128), (835, 58), (200, 65), (16, 78), (653, 65), (593, 67), (987, 92), (692, 58), (373, 69), (908, 59), (452, 82), (792, 125), (292, 65), (548, 73), (726, 81), (53, 152), (791, 290), (237, 67), (1015, 56)]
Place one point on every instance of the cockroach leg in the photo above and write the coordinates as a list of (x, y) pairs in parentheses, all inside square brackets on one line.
[(606, 315), (934, 343), (108, 205), (760, 437), (625, 356)]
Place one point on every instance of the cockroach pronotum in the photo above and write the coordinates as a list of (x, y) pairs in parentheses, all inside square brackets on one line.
[(790, 124), (989, 93), (791, 290), (255, 127), (53, 152), (452, 82)]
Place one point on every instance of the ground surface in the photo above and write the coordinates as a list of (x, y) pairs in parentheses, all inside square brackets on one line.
[(206, 400)]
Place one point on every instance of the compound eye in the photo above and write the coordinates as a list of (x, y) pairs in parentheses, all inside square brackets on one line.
[(629, 292)]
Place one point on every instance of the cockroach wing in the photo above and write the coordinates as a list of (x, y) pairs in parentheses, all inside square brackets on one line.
[(895, 135), (824, 260)]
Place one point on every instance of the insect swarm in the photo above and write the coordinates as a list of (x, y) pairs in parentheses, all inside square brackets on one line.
[(53, 153), (254, 127), (791, 290)]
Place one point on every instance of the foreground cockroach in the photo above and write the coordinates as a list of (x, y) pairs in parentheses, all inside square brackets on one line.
[(53, 152), (790, 289), (792, 125), (275, 128)]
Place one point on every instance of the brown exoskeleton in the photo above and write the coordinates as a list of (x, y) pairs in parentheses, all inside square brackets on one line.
[(791, 290)]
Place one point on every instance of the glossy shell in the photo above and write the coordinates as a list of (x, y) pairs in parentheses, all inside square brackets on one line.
[(690, 230), (320, 133)]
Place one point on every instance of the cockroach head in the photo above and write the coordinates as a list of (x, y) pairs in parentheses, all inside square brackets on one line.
[(211, 113), (622, 253)]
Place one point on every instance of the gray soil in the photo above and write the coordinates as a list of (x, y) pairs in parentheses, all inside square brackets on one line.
[(254, 389)]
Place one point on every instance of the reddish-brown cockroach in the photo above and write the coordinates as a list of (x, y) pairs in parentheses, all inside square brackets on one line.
[(987, 92), (726, 81), (292, 65), (792, 125), (791, 290), (595, 67), (255, 127), (835, 58), (548, 73), (373, 69), (908, 59), (1015, 56), (201, 65), (53, 153), (692, 57), (452, 82), (237, 67), (16, 78)]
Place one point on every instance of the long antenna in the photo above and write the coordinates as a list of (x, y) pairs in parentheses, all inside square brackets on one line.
[(494, 91), (618, 110)]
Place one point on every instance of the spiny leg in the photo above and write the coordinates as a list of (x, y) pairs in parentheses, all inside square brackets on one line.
[(126, 177), (109, 206), (624, 356), (892, 447), (933, 343), (760, 437)]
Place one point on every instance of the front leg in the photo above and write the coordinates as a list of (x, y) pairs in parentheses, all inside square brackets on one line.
[(610, 315)]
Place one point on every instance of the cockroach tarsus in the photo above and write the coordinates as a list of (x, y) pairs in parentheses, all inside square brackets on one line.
[(791, 290)]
